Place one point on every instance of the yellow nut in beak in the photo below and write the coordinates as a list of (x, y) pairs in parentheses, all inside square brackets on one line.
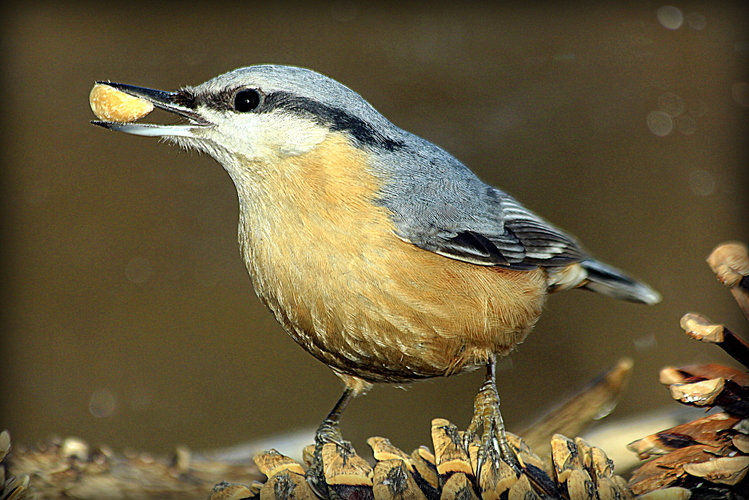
[(112, 105)]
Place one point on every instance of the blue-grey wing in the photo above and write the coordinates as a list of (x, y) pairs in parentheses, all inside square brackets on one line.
[(503, 233), (441, 206)]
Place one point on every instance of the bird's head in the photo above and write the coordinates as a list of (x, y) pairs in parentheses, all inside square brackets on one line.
[(262, 114)]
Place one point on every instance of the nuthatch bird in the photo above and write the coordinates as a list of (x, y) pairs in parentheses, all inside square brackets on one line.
[(378, 252)]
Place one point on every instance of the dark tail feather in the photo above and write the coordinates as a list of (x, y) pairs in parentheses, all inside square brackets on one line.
[(610, 281)]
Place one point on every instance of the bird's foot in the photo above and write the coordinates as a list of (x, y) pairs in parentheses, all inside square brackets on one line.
[(493, 446), (328, 432), (495, 457)]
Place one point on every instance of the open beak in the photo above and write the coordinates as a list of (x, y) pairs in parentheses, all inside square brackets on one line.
[(167, 101)]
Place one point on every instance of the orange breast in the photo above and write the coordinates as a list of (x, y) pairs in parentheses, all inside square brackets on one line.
[(326, 260)]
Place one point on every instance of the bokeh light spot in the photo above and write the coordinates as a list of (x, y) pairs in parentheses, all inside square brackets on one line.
[(701, 182), (660, 123), (102, 403), (670, 17)]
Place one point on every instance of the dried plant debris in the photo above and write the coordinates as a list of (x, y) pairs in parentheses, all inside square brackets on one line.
[(230, 491), (709, 430), (700, 328), (71, 469), (730, 263), (592, 403), (575, 471), (11, 487), (708, 457)]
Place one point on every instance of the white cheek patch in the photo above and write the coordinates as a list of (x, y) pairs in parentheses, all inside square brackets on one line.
[(290, 135), (263, 135)]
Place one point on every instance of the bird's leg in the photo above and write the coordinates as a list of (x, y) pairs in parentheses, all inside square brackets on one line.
[(486, 415), (328, 432)]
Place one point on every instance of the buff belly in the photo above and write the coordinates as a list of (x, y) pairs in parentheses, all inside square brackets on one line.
[(325, 258)]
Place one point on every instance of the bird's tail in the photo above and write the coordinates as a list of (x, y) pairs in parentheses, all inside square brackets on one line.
[(610, 281)]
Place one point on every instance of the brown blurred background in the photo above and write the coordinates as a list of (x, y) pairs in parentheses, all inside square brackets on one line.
[(127, 315)]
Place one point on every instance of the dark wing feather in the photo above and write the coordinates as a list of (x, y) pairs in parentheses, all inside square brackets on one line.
[(520, 240)]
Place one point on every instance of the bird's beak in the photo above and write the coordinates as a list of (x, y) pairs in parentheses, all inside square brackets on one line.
[(167, 101)]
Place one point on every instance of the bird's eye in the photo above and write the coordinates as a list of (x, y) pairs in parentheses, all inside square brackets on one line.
[(246, 100)]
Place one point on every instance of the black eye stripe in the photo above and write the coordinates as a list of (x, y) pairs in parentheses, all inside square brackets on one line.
[(335, 118), (249, 99)]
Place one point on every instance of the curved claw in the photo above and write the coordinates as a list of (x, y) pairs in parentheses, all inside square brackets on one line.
[(493, 444), (328, 432)]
